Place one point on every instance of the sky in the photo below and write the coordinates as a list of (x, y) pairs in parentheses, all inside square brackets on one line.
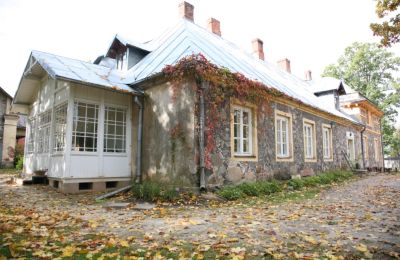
[(310, 33)]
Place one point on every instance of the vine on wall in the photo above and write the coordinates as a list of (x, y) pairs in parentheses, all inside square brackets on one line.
[(222, 85)]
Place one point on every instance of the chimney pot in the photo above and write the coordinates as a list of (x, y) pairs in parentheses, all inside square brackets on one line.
[(214, 26), (258, 48), (285, 65), (307, 75), (186, 10)]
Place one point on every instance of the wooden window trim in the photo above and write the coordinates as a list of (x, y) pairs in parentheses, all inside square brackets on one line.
[(314, 144), (278, 158), (330, 158), (253, 157)]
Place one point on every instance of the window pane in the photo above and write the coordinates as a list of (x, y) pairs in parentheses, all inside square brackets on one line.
[(236, 116), (119, 130), (245, 118), (84, 135), (236, 130), (115, 130), (120, 116), (245, 131), (236, 145), (246, 146)]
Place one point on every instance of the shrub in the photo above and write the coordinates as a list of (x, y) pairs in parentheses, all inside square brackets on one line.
[(231, 193), (311, 181), (250, 189), (19, 162), (296, 184), (148, 190), (152, 191), (169, 194), (269, 187)]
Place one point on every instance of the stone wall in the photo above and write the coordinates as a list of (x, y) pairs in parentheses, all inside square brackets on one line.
[(228, 170), (171, 147)]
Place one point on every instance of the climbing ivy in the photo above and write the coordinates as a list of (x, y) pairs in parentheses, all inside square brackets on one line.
[(222, 84)]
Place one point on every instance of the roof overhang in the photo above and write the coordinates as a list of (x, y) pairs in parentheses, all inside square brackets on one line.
[(34, 73)]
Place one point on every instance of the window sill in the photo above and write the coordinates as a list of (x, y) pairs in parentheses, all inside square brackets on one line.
[(328, 159), (284, 159), (245, 158), (83, 153), (115, 154)]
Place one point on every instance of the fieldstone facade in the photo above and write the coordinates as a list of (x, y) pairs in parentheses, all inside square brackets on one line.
[(228, 170)]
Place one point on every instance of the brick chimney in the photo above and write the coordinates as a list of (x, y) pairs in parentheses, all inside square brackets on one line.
[(285, 65), (307, 75), (186, 10), (214, 26), (258, 49)]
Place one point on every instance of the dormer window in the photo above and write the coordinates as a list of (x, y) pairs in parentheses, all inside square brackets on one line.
[(122, 61)]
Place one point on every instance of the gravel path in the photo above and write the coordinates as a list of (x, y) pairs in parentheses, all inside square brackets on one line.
[(360, 218)]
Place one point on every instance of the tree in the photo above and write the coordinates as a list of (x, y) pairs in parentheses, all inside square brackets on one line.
[(389, 29), (372, 71)]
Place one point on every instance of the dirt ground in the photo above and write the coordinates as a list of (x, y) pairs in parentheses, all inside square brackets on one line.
[(357, 219)]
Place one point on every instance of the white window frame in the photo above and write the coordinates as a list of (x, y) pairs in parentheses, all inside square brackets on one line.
[(85, 120), (240, 138), (283, 144), (327, 145), (310, 151), (60, 127), (44, 130), (30, 146), (351, 151), (114, 136)]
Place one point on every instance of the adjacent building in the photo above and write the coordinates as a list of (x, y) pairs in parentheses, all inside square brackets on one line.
[(175, 110)]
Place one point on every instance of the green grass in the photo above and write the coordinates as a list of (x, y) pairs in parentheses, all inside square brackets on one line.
[(284, 189), (153, 191)]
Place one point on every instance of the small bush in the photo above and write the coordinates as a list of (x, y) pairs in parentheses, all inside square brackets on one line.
[(19, 162), (296, 184), (148, 190), (152, 191), (231, 193), (269, 187), (169, 194), (250, 189), (311, 181)]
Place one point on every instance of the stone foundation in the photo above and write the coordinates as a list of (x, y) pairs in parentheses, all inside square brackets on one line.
[(88, 185)]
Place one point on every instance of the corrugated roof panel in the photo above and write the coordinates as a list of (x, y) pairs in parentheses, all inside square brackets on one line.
[(81, 71), (188, 37)]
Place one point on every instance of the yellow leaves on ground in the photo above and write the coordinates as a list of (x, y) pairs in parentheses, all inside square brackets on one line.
[(68, 251), (310, 240)]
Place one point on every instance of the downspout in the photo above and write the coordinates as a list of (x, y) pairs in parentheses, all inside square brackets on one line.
[(362, 145), (138, 177), (201, 136), (382, 150)]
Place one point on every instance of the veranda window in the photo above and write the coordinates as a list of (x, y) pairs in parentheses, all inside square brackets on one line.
[(85, 124), (242, 131), (114, 130), (60, 127), (31, 136), (44, 127)]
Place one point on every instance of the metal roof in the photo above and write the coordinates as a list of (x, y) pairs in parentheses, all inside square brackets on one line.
[(62, 67), (187, 38), (329, 83)]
